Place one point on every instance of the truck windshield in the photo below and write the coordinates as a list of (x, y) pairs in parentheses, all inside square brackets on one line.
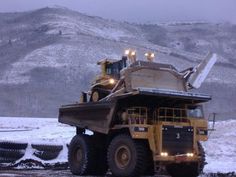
[(114, 68), (195, 111)]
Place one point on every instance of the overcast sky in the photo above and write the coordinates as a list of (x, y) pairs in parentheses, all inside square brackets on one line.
[(143, 11)]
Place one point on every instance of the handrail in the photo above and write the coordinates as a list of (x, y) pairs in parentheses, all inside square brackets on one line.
[(137, 115), (171, 114)]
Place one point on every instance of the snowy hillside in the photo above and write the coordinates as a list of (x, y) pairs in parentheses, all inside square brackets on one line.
[(220, 148), (48, 56)]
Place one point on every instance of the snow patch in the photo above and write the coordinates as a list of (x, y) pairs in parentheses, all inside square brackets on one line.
[(177, 45), (50, 56), (72, 26), (37, 130), (221, 148), (221, 75)]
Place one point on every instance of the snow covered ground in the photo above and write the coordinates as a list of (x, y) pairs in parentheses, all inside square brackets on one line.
[(220, 149), (37, 131)]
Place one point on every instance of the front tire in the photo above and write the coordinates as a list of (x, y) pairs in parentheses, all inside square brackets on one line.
[(95, 96), (80, 155), (203, 157), (127, 157), (98, 94)]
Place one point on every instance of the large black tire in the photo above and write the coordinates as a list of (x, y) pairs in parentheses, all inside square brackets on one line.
[(95, 96), (45, 147), (46, 155), (13, 145), (203, 158), (98, 94), (11, 153), (7, 160), (127, 157), (81, 155)]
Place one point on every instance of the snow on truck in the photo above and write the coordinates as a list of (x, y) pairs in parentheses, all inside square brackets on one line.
[(143, 117)]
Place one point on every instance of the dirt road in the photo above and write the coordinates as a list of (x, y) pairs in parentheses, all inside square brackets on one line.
[(40, 173), (67, 173)]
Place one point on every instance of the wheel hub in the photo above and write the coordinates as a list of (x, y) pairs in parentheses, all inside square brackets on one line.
[(95, 96), (79, 155), (122, 157)]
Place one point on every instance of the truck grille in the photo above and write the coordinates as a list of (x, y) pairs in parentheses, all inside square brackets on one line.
[(177, 139)]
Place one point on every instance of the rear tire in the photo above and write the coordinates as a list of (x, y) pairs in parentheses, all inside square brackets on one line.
[(81, 155), (127, 157), (203, 157)]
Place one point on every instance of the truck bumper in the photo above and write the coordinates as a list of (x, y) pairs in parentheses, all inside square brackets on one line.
[(176, 159)]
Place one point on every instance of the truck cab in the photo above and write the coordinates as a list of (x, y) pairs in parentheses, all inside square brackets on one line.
[(109, 76)]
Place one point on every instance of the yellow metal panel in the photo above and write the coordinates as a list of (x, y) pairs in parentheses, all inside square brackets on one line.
[(156, 79)]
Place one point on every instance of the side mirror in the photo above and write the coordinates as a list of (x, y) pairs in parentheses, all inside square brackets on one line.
[(211, 121)]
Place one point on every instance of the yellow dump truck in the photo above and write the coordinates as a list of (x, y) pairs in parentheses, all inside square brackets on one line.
[(143, 120)]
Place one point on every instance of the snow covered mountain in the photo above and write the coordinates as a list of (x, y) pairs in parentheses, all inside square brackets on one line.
[(48, 56)]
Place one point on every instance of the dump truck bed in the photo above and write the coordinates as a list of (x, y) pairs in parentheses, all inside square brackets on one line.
[(97, 116)]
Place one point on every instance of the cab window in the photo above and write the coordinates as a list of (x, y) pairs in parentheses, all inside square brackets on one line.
[(114, 68), (195, 111)]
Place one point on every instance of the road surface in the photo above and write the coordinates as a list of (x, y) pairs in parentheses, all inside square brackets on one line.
[(40, 173), (67, 173)]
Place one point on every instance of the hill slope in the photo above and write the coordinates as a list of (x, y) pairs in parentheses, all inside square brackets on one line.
[(48, 57)]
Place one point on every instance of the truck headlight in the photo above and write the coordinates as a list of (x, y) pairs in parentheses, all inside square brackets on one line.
[(111, 81), (164, 154), (189, 154)]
